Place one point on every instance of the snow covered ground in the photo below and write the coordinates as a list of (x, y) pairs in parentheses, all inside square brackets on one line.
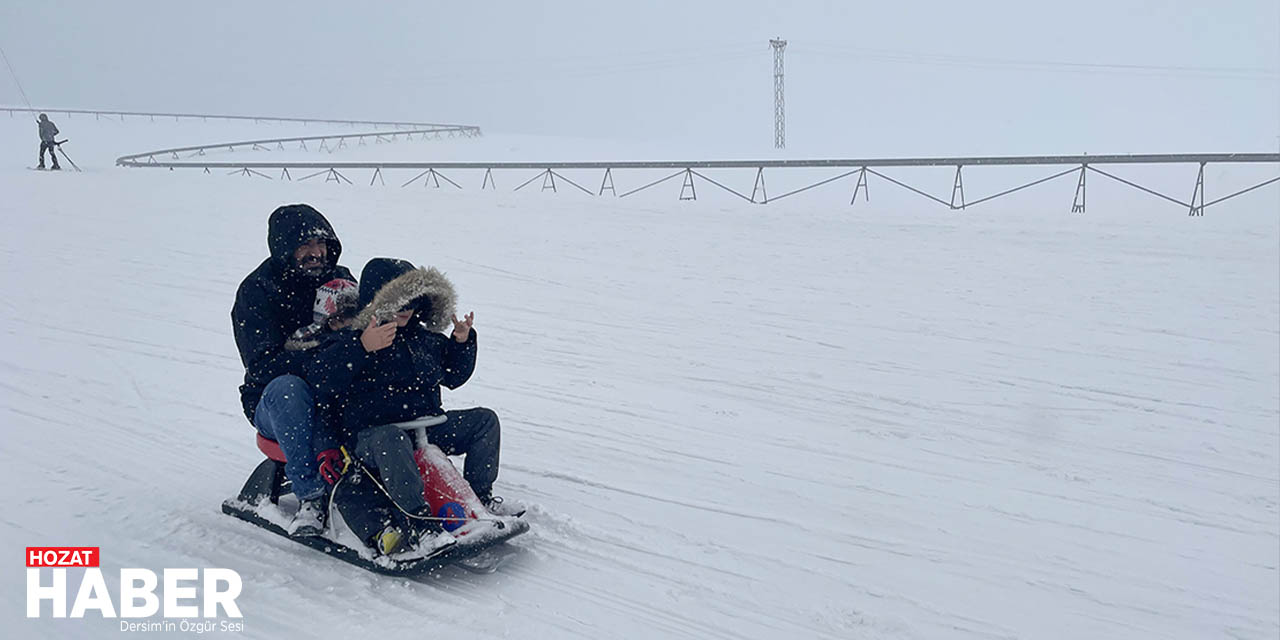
[(733, 421)]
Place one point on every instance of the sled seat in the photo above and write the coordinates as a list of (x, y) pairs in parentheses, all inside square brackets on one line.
[(271, 448), (268, 479)]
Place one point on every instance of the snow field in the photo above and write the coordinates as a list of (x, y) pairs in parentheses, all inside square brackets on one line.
[(890, 421)]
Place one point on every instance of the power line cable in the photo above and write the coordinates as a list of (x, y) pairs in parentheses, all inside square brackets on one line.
[(602, 58), (15, 77), (836, 48), (911, 57), (581, 71)]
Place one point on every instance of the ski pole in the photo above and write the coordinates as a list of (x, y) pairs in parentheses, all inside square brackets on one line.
[(58, 146)]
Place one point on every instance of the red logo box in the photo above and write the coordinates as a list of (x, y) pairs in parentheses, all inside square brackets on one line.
[(62, 556)]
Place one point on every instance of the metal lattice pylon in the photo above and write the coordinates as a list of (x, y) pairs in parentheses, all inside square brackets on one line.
[(779, 96)]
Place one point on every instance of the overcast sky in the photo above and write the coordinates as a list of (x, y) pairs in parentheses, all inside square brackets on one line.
[(902, 78)]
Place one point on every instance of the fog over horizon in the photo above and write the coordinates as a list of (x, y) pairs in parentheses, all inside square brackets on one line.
[(915, 78)]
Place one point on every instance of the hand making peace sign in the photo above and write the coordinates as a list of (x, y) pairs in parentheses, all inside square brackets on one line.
[(462, 328)]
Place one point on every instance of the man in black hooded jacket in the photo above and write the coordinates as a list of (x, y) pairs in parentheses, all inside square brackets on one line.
[(271, 303), (48, 135)]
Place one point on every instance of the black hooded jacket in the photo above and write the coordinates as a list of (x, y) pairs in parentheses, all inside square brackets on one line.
[(48, 131), (277, 298), (402, 381)]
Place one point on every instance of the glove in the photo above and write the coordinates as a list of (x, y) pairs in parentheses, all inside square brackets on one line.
[(331, 465)]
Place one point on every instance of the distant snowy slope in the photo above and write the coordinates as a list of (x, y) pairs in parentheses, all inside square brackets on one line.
[(732, 421)]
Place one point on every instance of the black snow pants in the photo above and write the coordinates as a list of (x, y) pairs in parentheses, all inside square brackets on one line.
[(388, 451), (53, 152)]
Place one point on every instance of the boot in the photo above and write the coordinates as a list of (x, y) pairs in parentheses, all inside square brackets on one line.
[(500, 507), (424, 521), (427, 537), (390, 540), (310, 519)]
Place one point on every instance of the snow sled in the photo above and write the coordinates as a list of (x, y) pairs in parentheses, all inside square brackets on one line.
[(477, 536)]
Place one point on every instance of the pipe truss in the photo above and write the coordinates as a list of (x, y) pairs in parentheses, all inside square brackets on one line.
[(339, 140), (692, 173)]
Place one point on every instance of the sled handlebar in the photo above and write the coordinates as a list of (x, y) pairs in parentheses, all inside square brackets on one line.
[(421, 423)]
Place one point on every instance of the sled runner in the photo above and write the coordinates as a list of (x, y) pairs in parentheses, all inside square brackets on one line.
[(471, 541)]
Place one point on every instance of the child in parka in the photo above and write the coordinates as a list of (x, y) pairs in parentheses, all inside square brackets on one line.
[(388, 368)]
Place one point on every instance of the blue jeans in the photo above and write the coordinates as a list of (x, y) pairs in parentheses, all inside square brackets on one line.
[(285, 413)]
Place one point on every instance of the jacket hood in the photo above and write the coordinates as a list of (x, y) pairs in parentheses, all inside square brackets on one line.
[(291, 226), (388, 285)]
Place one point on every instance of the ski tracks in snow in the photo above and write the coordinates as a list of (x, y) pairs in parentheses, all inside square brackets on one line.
[(750, 423)]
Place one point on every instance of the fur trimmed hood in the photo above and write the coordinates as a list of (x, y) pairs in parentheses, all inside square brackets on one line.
[(388, 285)]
